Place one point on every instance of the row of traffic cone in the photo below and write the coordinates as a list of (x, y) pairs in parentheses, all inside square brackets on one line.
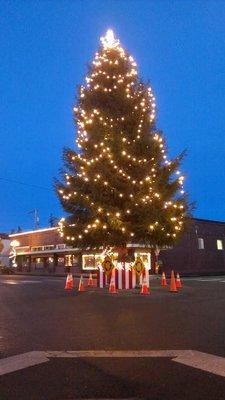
[(81, 288), (174, 283), (145, 289)]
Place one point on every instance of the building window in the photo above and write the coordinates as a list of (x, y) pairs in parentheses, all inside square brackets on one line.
[(37, 248), (88, 261), (42, 248), (71, 260), (49, 247), (22, 249), (60, 246), (201, 245), (219, 244), (94, 261)]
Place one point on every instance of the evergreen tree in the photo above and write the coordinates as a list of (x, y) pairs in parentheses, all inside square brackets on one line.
[(120, 187), (53, 221)]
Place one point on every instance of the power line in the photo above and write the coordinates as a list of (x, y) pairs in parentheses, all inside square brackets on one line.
[(25, 184)]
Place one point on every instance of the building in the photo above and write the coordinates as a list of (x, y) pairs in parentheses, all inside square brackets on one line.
[(4, 249), (199, 251), (44, 250)]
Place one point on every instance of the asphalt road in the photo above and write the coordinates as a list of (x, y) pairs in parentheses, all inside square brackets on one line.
[(37, 314)]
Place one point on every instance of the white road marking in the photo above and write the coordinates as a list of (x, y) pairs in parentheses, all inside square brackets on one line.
[(204, 361), (57, 279), (19, 282), (203, 279), (115, 353), (21, 361), (195, 359), (30, 281)]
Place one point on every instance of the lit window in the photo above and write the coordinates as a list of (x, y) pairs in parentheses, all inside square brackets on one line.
[(70, 260), (219, 243), (201, 245), (88, 261), (93, 261)]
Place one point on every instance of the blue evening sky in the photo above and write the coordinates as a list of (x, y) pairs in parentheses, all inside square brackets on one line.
[(44, 50)]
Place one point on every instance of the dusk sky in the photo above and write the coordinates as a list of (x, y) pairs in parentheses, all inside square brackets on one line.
[(45, 47)]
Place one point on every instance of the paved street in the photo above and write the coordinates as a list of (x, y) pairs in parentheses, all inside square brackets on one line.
[(38, 315)]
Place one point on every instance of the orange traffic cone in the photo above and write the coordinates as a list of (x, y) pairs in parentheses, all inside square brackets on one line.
[(90, 280), (173, 287), (163, 280), (69, 282), (144, 287), (178, 281), (112, 286), (81, 284)]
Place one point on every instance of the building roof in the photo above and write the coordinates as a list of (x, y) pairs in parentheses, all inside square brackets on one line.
[(33, 231), (208, 220), (4, 236)]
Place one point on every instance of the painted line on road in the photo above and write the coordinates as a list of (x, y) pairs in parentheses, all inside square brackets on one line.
[(18, 282), (203, 279), (115, 353), (22, 361), (209, 280), (203, 361), (191, 358), (29, 281)]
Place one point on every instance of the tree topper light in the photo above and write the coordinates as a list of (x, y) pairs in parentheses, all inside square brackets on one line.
[(109, 40)]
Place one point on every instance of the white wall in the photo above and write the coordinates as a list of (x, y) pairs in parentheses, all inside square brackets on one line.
[(4, 251)]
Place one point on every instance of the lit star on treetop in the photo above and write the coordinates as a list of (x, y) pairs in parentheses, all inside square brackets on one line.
[(109, 40)]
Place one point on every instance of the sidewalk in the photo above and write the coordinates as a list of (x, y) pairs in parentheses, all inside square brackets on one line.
[(52, 274), (63, 275)]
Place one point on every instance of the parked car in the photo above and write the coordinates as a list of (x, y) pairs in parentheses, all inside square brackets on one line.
[(6, 270)]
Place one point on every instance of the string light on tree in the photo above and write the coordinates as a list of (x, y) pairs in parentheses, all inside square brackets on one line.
[(120, 179)]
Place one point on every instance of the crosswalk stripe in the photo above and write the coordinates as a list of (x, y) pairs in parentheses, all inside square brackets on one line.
[(192, 358)]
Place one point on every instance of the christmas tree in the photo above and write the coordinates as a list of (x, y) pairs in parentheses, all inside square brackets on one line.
[(119, 187)]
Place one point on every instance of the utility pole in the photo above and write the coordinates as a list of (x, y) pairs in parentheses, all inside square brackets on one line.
[(36, 218)]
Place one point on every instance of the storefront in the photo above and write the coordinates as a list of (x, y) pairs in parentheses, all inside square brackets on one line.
[(199, 251), (94, 261)]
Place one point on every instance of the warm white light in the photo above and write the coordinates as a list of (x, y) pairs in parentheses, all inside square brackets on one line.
[(109, 40), (14, 243)]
